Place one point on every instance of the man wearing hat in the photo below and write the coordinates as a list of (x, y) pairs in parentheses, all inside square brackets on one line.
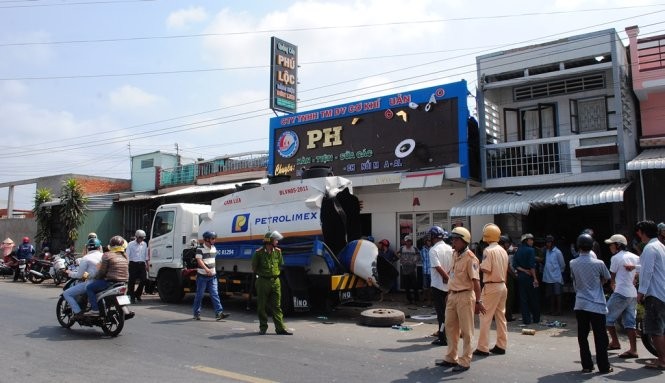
[(524, 262), (408, 259), (623, 301), (463, 301)]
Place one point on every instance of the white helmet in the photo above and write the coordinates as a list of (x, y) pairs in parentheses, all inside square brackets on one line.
[(139, 233)]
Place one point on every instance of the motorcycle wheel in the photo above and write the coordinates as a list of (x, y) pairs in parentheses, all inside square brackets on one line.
[(59, 277), (64, 313), (646, 339), (34, 279), (114, 319)]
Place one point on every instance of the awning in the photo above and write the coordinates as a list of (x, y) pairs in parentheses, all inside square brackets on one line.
[(648, 159), (195, 189), (521, 201), (422, 179)]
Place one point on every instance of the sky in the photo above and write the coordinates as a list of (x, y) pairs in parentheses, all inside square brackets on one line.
[(85, 84)]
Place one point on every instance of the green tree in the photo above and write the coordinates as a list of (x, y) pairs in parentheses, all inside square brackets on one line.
[(43, 214), (73, 202)]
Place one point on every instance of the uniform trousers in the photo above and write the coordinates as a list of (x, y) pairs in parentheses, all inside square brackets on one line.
[(269, 296), (494, 300), (459, 320)]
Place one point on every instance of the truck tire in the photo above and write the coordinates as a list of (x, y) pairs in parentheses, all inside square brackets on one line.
[(287, 298), (169, 286), (381, 317)]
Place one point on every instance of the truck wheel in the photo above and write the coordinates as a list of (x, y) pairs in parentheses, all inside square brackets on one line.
[(381, 317), (169, 287), (287, 298)]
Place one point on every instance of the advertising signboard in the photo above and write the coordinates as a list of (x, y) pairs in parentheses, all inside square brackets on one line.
[(410, 131), (283, 76)]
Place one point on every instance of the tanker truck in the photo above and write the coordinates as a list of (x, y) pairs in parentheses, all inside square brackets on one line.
[(326, 263)]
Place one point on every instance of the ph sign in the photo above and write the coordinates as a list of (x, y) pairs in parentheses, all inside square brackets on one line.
[(283, 76)]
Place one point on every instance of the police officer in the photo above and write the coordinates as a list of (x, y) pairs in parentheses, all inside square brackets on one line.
[(495, 269), (266, 263), (464, 287)]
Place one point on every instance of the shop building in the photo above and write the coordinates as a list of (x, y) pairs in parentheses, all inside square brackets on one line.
[(411, 156), (558, 123), (648, 74)]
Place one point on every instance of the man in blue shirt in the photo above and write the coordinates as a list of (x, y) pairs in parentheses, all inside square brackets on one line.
[(524, 263), (553, 275), (589, 275), (651, 291)]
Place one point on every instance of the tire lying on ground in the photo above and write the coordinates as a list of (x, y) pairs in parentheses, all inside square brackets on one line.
[(381, 317)]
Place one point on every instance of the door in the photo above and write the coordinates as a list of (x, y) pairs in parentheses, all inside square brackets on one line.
[(162, 238)]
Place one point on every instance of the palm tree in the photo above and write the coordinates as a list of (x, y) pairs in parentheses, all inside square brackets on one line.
[(73, 202), (42, 214)]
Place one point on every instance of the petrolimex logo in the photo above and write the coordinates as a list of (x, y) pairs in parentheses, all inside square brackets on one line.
[(240, 223), (287, 144)]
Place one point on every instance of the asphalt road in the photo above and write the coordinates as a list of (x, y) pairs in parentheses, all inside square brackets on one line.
[(163, 344)]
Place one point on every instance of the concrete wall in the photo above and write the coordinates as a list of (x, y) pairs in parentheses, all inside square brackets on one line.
[(17, 228)]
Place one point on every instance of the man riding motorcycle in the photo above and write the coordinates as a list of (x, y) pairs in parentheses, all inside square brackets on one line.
[(113, 268), (86, 270), (25, 251)]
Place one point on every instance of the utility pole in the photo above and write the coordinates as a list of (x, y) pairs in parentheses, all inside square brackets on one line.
[(177, 153)]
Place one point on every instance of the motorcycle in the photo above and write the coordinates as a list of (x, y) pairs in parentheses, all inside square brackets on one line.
[(646, 339), (12, 263), (37, 270), (51, 268), (113, 309)]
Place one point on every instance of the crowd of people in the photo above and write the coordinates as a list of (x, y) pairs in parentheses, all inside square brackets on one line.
[(462, 283)]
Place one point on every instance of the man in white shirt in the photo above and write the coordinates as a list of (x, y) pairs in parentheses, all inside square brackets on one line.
[(623, 301), (441, 262), (137, 250), (86, 270)]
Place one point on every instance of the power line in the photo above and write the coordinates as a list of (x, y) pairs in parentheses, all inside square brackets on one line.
[(246, 115), (332, 27), (70, 3)]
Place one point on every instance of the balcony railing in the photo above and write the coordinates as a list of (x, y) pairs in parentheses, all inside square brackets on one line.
[(188, 174), (651, 53), (575, 158)]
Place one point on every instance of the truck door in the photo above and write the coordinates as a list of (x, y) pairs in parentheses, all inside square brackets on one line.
[(162, 238)]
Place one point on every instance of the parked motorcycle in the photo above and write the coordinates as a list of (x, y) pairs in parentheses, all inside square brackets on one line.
[(37, 270), (51, 267), (113, 309)]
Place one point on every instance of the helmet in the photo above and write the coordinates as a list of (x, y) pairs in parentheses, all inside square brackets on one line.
[(209, 235), (117, 243), (272, 235), (504, 239), (588, 231), (526, 236), (616, 238), (460, 232), (549, 238), (94, 243), (437, 232), (26, 239), (139, 234), (408, 238), (384, 242), (585, 242), (661, 226), (491, 233), (92, 235)]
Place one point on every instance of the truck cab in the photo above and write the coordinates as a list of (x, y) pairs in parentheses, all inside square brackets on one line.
[(175, 227)]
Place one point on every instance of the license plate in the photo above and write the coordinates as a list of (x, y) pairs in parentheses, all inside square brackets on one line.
[(123, 300)]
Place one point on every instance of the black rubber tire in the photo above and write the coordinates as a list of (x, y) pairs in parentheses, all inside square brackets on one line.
[(287, 298), (114, 320), (34, 279), (64, 313), (169, 286), (381, 317), (646, 339)]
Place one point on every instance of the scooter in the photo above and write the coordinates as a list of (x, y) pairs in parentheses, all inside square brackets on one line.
[(38, 270), (113, 309)]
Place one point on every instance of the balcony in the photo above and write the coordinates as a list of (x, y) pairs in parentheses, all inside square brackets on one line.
[(238, 167), (557, 160)]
